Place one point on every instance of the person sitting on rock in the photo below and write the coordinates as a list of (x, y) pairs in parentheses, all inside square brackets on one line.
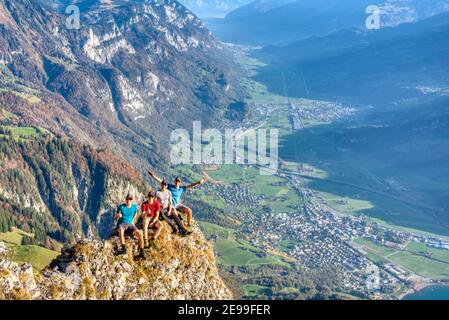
[(177, 190), (164, 197), (151, 209), (126, 214)]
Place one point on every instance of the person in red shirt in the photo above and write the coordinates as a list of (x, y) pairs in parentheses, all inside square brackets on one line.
[(151, 209)]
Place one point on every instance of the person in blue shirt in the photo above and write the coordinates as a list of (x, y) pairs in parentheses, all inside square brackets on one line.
[(177, 190), (126, 215)]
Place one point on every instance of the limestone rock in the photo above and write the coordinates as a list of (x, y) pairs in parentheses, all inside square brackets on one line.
[(176, 268)]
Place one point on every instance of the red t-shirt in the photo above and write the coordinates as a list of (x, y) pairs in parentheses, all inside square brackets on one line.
[(151, 209)]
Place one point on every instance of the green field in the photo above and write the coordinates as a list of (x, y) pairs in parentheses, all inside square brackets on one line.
[(39, 257), (421, 265), (439, 254), (375, 247), (279, 195), (210, 229), (379, 208), (412, 259), (253, 290), (23, 133), (234, 251), (285, 245), (14, 236)]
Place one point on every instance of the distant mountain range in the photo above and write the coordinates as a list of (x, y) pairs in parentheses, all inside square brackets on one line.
[(357, 65), (282, 21), (213, 8)]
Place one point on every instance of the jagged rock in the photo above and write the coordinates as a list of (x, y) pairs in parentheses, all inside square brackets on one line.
[(17, 281), (3, 249), (177, 268)]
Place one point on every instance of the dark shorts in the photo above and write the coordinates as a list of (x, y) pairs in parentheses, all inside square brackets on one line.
[(128, 227)]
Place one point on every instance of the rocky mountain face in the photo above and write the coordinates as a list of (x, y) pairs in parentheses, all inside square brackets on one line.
[(178, 268), (133, 70)]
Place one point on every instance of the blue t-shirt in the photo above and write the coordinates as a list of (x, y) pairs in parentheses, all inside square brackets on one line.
[(176, 193), (127, 213)]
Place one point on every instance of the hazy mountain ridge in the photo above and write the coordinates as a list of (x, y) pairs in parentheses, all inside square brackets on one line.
[(354, 65), (213, 8), (301, 19)]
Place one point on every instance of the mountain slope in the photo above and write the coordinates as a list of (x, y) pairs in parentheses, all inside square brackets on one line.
[(178, 268), (134, 70), (62, 190)]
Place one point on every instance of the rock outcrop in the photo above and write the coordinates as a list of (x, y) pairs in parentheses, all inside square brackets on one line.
[(177, 268), (3, 249)]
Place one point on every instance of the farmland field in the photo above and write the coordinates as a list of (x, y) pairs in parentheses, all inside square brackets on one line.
[(413, 259), (39, 257)]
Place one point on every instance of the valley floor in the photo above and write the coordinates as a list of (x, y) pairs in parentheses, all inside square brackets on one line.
[(315, 214)]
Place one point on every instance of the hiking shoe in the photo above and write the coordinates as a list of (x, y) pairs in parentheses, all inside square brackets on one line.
[(142, 254), (122, 251), (184, 233), (152, 243), (147, 243)]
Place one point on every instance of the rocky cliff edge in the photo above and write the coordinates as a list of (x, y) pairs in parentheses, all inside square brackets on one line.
[(176, 268)]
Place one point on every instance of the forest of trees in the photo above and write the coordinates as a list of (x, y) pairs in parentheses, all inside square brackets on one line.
[(311, 285), (49, 171)]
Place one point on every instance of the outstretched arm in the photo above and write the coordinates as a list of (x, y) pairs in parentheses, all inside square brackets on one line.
[(193, 185), (152, 175)]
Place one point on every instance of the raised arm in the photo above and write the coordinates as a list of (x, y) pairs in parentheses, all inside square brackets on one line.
[(152, 175), (193, 185)]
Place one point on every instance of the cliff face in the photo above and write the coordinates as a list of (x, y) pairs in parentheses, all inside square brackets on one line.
[(177, 268)]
